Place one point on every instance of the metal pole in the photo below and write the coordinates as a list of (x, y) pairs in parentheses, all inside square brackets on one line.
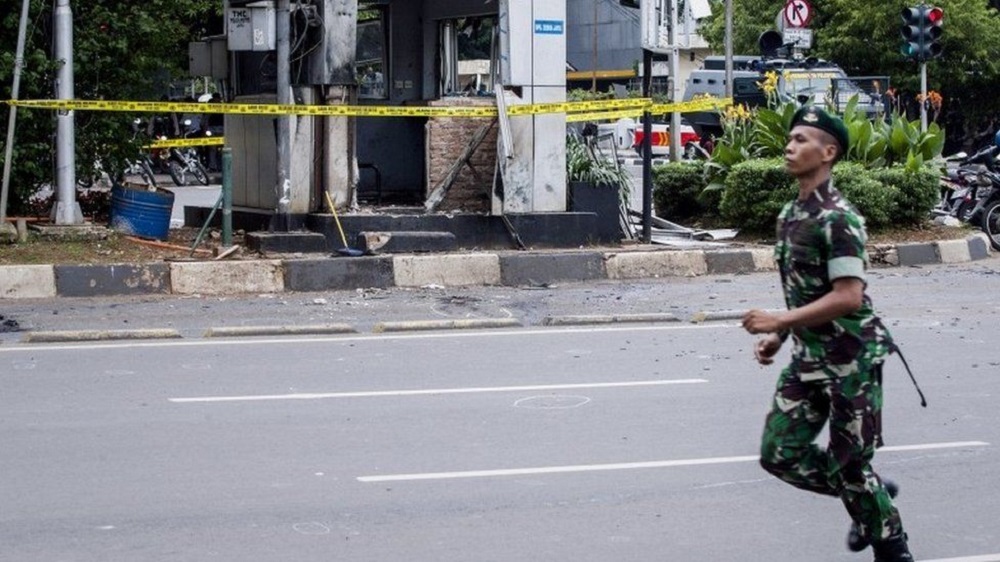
[(66, 210), (675, 86), (14, 92), (647, 150), (729, 48), (923, 96), (593, 58), (282, 221), (227, 197)]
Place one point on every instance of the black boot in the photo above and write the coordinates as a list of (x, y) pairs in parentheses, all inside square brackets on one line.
[(892, 549), (856, 542)]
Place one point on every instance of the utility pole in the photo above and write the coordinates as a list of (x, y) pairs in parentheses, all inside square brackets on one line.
[(675, 85), (282, 220), (66, 210), (593, 58), (923, 96), (14, 92), (729, 48)]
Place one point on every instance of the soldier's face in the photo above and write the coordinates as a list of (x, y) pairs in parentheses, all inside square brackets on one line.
[(808, 149)]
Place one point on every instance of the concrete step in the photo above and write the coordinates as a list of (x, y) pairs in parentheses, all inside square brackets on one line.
[(404, 242)]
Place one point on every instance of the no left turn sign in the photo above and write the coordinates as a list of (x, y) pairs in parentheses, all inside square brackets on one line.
[(797, 13)]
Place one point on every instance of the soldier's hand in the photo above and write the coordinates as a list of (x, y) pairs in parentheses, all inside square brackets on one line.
[(766, 348), (761, 322)]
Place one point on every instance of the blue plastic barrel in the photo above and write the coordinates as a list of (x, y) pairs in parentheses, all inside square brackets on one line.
[(141, 213)]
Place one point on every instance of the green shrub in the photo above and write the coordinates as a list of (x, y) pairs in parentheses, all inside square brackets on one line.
[(677, 191), (875, 201), (916, 192), (756, 191)]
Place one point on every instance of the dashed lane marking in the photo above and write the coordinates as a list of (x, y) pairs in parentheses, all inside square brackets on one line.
[(627, 466), (431, 391)]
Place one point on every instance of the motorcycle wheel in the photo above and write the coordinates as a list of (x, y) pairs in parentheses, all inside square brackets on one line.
[(964, 211), (991, 223), (199, 172), (177, 173)]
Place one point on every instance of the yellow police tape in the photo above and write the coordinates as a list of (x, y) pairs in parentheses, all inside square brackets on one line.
[(575, 110), (183, 143)]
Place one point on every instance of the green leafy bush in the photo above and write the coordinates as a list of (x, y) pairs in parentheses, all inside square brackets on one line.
[(875, 201), (756, 191), (678, 191), (916, 192)]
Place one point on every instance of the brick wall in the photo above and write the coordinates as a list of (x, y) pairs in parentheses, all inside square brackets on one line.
[(447, 138)]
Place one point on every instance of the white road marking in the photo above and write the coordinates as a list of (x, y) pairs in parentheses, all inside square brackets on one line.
[(492, 334), (431, 391), (625, 466), (982, 558)]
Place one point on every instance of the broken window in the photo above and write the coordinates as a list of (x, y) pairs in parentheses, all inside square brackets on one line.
[(466, 55), (371, 65)]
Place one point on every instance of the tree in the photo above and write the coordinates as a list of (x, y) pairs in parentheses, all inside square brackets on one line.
[(122, 50), (862, 36)]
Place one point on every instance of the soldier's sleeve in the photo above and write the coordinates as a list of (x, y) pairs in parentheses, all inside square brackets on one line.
[(846, 238)]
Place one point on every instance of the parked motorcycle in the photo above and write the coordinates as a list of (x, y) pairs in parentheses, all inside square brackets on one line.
[(967, 181), (182, 161), (987, 211)]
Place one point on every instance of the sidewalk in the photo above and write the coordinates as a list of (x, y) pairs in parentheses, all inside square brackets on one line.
[(509, 268)]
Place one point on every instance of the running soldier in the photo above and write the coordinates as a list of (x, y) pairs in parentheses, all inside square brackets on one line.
[(839, 344)]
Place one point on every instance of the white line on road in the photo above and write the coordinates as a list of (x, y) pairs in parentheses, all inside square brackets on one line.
[(431, 391), (492, 334), (982, 558), (625, 466)]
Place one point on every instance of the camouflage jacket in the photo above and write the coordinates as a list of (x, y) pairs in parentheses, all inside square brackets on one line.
[(820, 240)]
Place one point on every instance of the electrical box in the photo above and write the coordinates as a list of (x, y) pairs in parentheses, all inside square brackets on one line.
[(209, 58), (252, 28)]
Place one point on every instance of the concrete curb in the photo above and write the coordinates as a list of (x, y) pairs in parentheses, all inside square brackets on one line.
[(249, 331), (533, 268), (586, 320), (99, 335), (428, 325)]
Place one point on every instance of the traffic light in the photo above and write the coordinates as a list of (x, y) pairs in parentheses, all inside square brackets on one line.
[(921, 31)]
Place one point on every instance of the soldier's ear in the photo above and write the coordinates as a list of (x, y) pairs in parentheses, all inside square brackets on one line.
[(831, 150)]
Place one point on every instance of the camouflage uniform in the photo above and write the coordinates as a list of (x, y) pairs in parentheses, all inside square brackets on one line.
[(836, 370)]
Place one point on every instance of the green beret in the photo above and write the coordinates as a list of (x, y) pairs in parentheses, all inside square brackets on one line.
[(811, 116)]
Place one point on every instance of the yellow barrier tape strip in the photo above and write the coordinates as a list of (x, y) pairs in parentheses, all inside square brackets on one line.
[(256, 108), (603, 115), (173, 143), (634, 104), (707, 104)]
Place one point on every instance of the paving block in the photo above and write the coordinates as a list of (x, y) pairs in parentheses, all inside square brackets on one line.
[(918, 254), (27, 282), (447, 270), (107, 280), (641, 265), (954, 251), (339, 273), (729, 262), (226, 278), (763, 259), (979, 247), (538, 269)]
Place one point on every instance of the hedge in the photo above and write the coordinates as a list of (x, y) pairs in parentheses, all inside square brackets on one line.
[(756, 190)]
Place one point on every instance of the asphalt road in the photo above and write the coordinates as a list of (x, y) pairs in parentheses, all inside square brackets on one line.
[(582, 443)]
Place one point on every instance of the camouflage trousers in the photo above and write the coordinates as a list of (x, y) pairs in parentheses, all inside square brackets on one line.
[(853, 407)]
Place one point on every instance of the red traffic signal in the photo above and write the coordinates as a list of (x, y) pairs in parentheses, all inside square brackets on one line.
[(935, 16), (920, 31)]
